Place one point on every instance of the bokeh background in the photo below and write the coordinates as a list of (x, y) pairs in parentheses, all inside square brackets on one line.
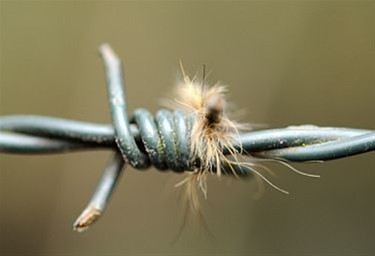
[(287, 63)]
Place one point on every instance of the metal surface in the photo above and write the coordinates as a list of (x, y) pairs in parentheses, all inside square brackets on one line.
[(163, 141), (41, 135)]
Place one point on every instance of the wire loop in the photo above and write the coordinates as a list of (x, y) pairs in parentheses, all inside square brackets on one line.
[(163, 141)]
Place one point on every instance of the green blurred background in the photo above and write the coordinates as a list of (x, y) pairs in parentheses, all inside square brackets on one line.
[(287, 63)]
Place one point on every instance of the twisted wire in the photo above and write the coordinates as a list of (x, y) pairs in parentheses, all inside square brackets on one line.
[(163, 140), (30, 134)]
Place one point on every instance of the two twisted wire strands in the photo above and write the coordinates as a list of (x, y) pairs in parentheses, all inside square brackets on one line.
[(162, 141)]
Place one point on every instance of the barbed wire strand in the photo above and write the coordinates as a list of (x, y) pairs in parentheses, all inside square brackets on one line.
[(163, 141), (30, 134)]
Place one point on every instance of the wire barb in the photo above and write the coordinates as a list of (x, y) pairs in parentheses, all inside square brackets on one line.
[(164, 141), (99, 200)]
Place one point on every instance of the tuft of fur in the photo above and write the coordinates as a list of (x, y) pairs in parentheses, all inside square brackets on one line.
[(211, 132)]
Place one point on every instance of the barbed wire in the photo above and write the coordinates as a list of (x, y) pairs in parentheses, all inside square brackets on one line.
[(30, 134), (163, 140)]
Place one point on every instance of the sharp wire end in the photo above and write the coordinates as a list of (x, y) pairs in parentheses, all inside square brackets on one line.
[(86, 219)]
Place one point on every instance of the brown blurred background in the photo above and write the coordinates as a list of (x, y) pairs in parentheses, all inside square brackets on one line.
[(287, 63)]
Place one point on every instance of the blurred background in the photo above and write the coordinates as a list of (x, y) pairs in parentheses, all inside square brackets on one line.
[(286, 63)]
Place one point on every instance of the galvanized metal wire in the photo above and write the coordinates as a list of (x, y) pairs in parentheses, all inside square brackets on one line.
[(163, 140), (29, 134)]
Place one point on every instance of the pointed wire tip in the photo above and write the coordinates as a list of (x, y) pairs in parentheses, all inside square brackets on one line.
[(105, 47), (86, 219), (107, 52)]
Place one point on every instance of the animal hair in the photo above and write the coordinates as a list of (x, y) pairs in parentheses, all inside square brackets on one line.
[(213, 131)]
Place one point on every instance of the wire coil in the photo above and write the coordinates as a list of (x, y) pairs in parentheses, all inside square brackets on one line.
[(163, 141), (166, 140)]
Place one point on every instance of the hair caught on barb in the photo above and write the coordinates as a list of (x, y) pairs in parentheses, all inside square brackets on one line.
[(212, 132)]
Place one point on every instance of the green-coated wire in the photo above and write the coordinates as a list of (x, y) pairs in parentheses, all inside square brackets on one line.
[(40, 135), (163, 141)]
